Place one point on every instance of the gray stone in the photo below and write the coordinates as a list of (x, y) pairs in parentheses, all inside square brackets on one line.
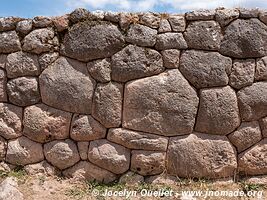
[(205, 69), (126, 19), (66, 85), (92, 40), (148, 162), (150, 19), (10, 121), (249, 12), (79, 14), (190, 156), (225, 16), (23, 151), (61, 23), (9, 42), (135, 62), (164, 104), (3, 60), (9, 190), (218, 111), (3, 81), (24, 26), (110, 156), (41, 168), (177, 22), (261, 69), (137, 140), (47, 59), (100, 70), (242, 73), (61, 153), (248, 134), (204, 35), (164, 26), (8, 23), (132, 179), (23, 91), (171, 58), (112, 16), (40, 40), (22, 64), (202, 14), (141, 35), (107, 104), (83, 149), (263, 16), (87, 171), (252, 101), (170, 41), (3, 148), (42, 22), (42, 123), (245, 39), (253, 161), (263, 125), (86, 128)]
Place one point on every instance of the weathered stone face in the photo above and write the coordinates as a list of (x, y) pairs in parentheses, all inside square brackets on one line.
[(22, 64), (92, 40), (3, 81), (204, 35), (107, 104), (225, 16), (24, 26), (205, 69), (62, 154), (9, 42), (10, 121), (3, 147), (135, 62), (137, 140), (23, 91), (177, 22), (245, 39), (170, 41), (110, 156), (171, 58), (23, 151), (86, 128), (67, 85), (47, 59), (164, 104), (261, 69), (100, 70), (83, 149), (263, 124), (202, 14), (43, 123), (164, 26), (254, 160), (246, 135), (189, 156), (218, 111), (252, 101)]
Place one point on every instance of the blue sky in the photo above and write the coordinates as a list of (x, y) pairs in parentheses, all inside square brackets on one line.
[(30, 8)]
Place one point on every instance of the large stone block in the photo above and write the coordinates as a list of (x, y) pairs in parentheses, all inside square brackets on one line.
[(3, 81), (100, 70), (67, 85), (3, 148), (261, 69), (164, 104), (9, 42), (201, 155), (170, 41)]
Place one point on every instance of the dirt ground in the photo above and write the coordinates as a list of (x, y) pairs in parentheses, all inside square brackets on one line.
[(41, 187)]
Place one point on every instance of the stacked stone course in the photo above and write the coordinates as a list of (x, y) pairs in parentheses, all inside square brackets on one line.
[(97, 95)]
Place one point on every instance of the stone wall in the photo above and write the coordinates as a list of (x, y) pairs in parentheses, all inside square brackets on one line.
[(96, 95)]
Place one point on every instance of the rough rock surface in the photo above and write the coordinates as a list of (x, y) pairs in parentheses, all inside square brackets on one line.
[(23, 91), (147, 162), (131, 178), (189, 156), (67, 85), (171, 58), (23, 151), (47, 59), (9, 190), (22, 64), (205, 69), (261, 69), (135, 62), (107, 104), (10, 121), (164, 104), (3, 80), (88, 40), (263, 124), (100, 70), (177, 22), (43, 123), (225, 16), (137, 140), (141, 35), (87, 171), (248, 134), (151, 20), (252, 101), (164, 26), (245, 39), (110, 156), (9, 42), (3, 147), (242, 73), (254, 160), (61, 153), (202, 14), (170, 41), (24, 26), (8, 23), (204, 35), (3, 60), (41, 168), (83, 149), (86, 128), (218, 111), (40, 40)]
